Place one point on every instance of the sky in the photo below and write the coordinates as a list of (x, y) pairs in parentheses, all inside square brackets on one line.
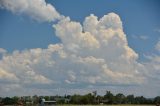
[(50, 47)]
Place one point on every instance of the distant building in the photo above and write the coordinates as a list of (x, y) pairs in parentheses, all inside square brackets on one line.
[(49, 102)]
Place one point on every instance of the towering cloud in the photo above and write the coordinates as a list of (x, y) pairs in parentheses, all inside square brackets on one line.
[(36, 9), (101, 43), (89, 55)]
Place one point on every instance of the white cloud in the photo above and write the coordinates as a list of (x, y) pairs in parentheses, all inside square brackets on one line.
[(36, 9), (152, 73), (7, 77), (92, 54), (72, 37), (111, 20)]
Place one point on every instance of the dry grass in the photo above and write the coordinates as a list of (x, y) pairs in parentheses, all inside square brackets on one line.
[(105, 105)]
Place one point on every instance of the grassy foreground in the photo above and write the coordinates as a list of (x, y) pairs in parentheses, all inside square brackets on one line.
[(105, 105)]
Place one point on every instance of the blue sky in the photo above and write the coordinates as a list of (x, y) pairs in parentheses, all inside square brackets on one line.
[(37, 45)]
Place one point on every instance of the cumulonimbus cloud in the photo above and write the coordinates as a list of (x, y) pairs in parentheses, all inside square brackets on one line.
[(36, 9), (92, 54)]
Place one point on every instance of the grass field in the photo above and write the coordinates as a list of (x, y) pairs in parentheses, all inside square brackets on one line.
[(89, 105), (105, 105)]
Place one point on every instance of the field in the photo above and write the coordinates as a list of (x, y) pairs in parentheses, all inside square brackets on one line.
[(91, 105), (105, 105)]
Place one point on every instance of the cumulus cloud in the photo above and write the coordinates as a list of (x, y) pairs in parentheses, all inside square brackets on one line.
[(95, 53), (6, 76), (108, 43), (36, 9)]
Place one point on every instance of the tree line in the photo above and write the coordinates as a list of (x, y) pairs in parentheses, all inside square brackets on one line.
[(90, 98), (110, 98)]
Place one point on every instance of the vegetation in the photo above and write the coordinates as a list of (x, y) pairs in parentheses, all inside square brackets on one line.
[(90, 98)]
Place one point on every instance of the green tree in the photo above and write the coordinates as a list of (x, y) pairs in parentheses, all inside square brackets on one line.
[(140, 100), (99, 99), (157, 100), (120, 98), (75, 99), (47, 98), (8, 101), (109, 97), (35, 99), (94, 95), (130, 99)]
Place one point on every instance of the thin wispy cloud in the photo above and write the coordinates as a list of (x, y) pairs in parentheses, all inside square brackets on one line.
[(140, 37), (157, 30)]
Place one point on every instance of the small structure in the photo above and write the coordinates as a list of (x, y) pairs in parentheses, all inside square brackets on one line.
[(49, 102)]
